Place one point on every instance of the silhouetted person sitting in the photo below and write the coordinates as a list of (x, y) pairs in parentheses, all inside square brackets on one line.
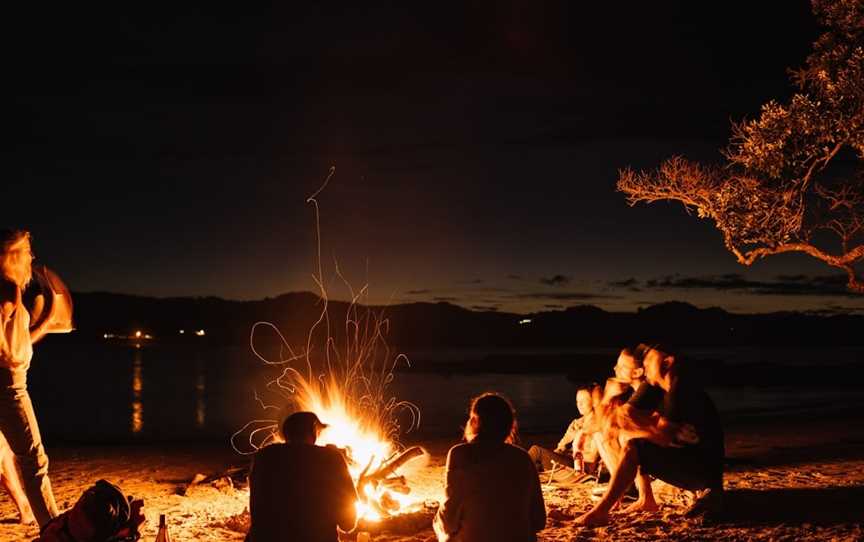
[(673, 433), (492, 490), (300, 491)]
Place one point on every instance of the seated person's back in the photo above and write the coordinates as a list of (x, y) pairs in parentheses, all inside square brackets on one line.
[(300, 491), (492, 490), (497, 483)]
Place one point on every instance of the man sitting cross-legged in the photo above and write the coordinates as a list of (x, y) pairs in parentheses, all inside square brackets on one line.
[(672, 432)]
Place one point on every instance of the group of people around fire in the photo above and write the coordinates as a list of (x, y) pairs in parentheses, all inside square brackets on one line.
[(651, 420)]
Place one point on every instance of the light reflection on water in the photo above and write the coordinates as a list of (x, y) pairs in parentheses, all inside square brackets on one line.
[(200, 389), (137, 391)]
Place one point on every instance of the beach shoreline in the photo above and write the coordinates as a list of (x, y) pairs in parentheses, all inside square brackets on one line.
[(793, 477)]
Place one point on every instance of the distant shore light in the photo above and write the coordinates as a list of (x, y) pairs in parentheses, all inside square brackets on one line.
[(200, 333), (525, 321), (182, 331), (137, 334)]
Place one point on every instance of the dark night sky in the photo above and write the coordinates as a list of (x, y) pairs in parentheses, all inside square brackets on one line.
[(169, 152)]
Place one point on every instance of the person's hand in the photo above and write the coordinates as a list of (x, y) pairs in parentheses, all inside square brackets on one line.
[(53, 309), (136, 518), (686, 434)]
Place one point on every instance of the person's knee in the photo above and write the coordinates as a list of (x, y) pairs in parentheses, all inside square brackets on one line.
[(34, 462), (631, 450)]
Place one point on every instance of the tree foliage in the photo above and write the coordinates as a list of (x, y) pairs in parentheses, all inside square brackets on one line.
[(775, 192)]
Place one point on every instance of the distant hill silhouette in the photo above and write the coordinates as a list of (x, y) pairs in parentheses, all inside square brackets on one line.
[(443, 325)]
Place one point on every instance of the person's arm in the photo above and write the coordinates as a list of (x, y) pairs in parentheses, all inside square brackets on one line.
[(10, 299), (538, 507), (6, 309), (572, 430), (41, 329), (346, 495), (253, 483), (448, 520), (635, 423)]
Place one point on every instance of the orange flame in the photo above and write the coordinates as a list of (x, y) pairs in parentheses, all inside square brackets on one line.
[(348, 394)]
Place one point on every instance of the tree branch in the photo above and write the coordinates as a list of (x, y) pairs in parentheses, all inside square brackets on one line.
[(844, 261)]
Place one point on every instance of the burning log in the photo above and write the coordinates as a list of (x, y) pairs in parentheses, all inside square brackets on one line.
[(388, 503), (375, 489), (397, 484), (391, 466)]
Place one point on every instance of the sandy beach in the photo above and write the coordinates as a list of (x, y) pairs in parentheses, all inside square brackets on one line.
[(787, 479)]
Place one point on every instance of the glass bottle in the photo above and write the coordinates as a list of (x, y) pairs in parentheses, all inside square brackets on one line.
[(162, 534)]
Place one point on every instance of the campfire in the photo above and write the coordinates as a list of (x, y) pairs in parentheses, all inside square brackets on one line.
[(374, 460), (362, 422), (344, 380)]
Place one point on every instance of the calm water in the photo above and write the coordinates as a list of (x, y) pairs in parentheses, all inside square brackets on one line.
[(119, 393)]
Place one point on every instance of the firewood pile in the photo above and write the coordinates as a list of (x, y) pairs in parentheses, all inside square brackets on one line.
[(402, 524), (384, 481)]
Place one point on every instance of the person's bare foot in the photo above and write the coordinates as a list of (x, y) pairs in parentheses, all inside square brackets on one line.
[(27, 519), (593, 518), (642, 506)]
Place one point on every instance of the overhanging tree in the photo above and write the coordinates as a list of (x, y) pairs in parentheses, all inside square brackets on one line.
[(775, 192)]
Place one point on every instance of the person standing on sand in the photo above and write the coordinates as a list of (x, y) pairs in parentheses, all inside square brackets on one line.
[(492, 490), (673, 433), (300, 491), (17, 417)]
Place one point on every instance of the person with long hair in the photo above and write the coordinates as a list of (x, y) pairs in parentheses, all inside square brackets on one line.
[(492, 490), (17, 417)]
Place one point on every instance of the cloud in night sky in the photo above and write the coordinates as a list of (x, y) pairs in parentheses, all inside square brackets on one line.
[(631, 284), (563, 296), (833, 310), (791, 285), (556, 280)]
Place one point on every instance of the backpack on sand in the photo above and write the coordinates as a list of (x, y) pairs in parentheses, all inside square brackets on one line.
[(103, 510)]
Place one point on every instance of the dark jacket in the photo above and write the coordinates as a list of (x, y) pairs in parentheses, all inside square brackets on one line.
[(299, 492)]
